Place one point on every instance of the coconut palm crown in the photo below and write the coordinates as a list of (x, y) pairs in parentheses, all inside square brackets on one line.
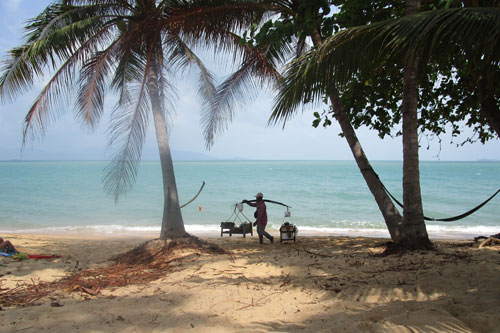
[(473, 33), (131, 48)]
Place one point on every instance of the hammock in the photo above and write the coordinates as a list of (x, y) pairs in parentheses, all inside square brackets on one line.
[(448, 219)]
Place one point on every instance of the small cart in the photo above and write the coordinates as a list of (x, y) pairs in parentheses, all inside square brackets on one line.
[(229, 227), (288, 232)]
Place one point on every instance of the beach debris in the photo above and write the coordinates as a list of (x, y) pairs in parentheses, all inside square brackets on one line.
[(315, 254), (493, 240), (147, 262), (258, 302)]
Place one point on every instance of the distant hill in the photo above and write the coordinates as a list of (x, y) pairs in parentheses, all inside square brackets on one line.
[(42, 154), (191, 156), (487, 160)]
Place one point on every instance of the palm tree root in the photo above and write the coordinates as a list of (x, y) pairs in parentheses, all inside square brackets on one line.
[(493, 240)]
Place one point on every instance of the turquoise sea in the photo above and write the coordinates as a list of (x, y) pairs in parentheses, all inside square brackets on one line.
[(326, 196)]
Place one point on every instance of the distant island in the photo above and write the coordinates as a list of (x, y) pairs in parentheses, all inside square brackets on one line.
[(190, 156), (485, 160)]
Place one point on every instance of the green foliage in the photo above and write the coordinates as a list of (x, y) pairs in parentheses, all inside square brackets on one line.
[(355, 13), (298, 19), (323, 117), (448, 95)]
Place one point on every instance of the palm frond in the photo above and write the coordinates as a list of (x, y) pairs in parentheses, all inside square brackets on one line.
[(59, 88), (130, 67), (257, 69), (181, 56), (199, 17), (128, 127), (127, 69), (52, 37), (167, 90), (219, 113), (300, 85), (210, 24), (168, 95), (93, 82), (48, 41)]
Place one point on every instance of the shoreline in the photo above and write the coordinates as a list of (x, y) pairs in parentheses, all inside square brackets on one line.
[(320, 283), (214, 232)]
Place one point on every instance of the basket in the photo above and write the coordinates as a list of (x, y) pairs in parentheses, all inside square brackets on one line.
[(230, 228)]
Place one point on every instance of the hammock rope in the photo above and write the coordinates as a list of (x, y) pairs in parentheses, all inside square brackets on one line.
[(196, 196), (448, 219)]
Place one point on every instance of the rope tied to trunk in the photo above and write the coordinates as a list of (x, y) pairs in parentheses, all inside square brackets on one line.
[(448, 219)]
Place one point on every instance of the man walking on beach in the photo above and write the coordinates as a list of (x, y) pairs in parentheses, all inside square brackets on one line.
[(261, 216)]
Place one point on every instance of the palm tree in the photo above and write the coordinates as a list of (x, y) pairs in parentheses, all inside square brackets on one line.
[(412, 41), (284, 41), (414, 230), (132, 47)]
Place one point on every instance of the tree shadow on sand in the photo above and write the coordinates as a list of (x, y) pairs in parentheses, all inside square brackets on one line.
[(347, 280)]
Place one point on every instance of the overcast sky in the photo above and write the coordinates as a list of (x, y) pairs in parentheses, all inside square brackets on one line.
[(247, 137)]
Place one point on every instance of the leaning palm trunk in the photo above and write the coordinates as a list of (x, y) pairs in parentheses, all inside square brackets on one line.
[(392, 217), (172, 225), (390, 213), (414, 232)]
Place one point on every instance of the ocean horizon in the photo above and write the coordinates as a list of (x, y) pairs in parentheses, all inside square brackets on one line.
[(326, 197)]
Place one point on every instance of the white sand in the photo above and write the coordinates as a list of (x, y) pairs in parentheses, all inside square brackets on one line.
[(319, 284)]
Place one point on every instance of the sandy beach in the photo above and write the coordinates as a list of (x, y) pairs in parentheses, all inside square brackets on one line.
[(319, 284)]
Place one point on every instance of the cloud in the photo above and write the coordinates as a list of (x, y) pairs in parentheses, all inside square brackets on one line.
[(11, 6)]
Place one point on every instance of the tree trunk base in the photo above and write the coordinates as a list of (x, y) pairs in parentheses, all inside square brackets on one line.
[(393, 248), (158, 251), (172, 234)]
